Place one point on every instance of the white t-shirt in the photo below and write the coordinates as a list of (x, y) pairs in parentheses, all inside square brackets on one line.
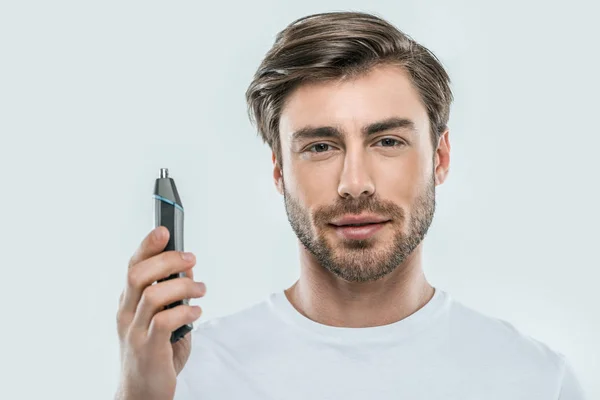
[(445, 350)]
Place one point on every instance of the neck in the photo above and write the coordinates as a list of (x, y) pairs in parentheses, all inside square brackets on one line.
[(323, 297)]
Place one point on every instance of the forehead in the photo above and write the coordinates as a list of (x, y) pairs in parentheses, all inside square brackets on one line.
[(384, 92)]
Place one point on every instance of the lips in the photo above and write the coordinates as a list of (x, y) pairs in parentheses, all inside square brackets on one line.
[(361, 227), (358, 220)]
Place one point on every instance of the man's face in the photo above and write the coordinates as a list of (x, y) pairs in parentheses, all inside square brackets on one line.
[(358, 149)]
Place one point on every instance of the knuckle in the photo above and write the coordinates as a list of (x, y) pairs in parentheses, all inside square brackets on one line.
[(161, 261), (168, 261), (186, 286), (150, 297), (120, 318), (131, 261), (133, 278), (159, 322), (135, 257), (178, 287), (122, 323), (174, 257), (186, 281), (131, 340)]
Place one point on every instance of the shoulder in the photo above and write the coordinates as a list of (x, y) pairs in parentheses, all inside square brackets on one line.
[(238, 327), (220, 342), (482, 336)]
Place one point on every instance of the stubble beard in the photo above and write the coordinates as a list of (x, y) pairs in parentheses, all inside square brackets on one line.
[(362, 260)]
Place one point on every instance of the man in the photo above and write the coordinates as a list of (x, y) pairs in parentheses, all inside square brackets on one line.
[(356, 115)]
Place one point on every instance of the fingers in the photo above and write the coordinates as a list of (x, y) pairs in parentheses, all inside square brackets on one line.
[(146, 272), (156, 297), (148, 264), (151, 245), (167, 321), (188, 273)]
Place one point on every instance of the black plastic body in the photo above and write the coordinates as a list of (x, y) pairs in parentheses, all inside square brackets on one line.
[(168, 212)]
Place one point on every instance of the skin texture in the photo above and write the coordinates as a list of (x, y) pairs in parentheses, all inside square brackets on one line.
[(392, 174)]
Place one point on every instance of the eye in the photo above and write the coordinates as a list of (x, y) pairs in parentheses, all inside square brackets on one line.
[(390, 142), (319, 147)]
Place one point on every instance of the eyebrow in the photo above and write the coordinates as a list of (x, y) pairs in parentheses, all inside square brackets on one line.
[(310, 132)]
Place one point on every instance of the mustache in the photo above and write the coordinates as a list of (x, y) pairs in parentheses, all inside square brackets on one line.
[(370, 205)]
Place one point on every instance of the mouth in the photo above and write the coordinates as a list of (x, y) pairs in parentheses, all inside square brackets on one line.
[(358, 227), (359, 220), (362, 224)]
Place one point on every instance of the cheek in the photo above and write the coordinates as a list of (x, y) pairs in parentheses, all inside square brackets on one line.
[(310, 185), (403, 180)]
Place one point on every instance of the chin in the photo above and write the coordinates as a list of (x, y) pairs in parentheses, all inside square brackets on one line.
[(377, 243)]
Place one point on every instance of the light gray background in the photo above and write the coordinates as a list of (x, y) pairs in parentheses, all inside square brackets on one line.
[(95, 97)]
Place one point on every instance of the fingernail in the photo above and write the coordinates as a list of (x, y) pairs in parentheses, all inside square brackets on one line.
[(187, 256), (158, 232)]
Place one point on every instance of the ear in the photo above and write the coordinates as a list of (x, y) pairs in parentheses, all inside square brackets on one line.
[(442, 158), (277, 174)]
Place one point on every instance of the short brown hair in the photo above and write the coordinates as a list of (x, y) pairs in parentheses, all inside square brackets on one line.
[(337, 45)]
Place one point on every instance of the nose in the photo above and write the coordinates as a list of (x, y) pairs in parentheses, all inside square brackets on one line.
[(355, 180)]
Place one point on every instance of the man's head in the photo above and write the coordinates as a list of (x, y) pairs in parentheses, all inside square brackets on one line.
[(356, 114)]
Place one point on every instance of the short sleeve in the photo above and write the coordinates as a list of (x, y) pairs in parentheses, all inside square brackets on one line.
[(570, 386)]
